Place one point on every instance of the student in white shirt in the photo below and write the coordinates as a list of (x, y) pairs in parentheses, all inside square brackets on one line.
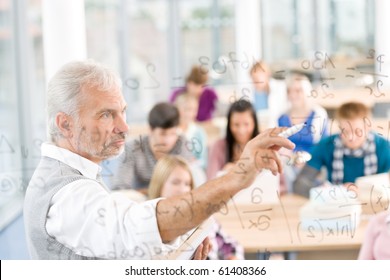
[(70, 214)]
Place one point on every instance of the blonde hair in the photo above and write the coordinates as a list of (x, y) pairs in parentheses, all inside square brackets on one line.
[(163, 170)]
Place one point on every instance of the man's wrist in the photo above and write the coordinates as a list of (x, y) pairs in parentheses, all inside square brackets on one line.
[(237, 179)]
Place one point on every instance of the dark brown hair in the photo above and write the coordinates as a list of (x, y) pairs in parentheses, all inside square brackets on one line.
[(163, 115), (239, 106)]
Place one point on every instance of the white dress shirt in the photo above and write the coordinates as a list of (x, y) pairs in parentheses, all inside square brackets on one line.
[(94, 222)]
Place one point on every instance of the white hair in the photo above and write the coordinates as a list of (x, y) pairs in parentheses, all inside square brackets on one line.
[(63, 93)]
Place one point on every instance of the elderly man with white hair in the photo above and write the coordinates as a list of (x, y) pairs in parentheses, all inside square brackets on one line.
[(69, 212)]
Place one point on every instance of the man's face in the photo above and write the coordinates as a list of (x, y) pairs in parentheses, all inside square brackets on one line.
[(100, 130), (353, 132), (163, 139)]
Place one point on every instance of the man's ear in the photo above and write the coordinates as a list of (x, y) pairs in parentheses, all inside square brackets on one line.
[(64, 123)]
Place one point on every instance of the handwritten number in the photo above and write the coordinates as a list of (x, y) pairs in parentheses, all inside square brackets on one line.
[(241, 165), (325, 86), (220, 68), (204, 62), (371, 54), (369, 88), (132, 83), (317, 62), (311, 234), (256, 196), (151, 68), (379, 83)]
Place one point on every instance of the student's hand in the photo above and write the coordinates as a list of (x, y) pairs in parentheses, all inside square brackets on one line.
[(203, 250), (261, 153)]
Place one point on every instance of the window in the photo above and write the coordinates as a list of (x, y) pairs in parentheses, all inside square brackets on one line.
[(296, 29), (208, 38), (131, 37), (22, 119), (10, 156)]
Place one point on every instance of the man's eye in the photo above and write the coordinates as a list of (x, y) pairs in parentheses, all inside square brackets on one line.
[(106, 115)]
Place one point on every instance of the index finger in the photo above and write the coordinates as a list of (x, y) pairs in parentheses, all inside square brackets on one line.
[(270, 139)]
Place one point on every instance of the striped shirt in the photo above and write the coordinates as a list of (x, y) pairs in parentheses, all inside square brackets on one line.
[(136, 163)]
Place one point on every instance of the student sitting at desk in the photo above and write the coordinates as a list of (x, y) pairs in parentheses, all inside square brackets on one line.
[(269, 95), (241, 127), (196, 86), (354, 152), (171, 177), (301, 111), (194, 133), (135, 165)]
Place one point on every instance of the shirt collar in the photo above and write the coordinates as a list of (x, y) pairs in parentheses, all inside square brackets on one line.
[(86, 167)]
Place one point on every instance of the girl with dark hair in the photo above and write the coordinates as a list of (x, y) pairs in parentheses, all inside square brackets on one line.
[(241, 127)]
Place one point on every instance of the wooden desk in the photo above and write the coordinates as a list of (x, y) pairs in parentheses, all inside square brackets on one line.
[(276, 228)]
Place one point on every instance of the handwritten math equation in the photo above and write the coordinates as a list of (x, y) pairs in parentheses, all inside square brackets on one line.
[(321, 61), (194, 145), (265, 219), (261, 217)]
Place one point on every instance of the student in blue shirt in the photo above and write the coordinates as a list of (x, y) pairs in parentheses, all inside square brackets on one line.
[(301, 110), (354, 152)]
